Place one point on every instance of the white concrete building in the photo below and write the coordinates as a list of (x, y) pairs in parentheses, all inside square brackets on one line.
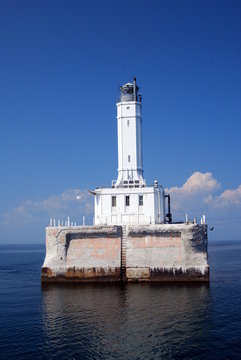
[(130, 200)]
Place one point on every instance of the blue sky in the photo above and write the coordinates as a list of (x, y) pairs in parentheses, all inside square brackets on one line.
[(60, 67)]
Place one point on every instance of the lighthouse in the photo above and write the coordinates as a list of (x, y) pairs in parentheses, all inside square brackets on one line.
[(129, 200), (133, 237)]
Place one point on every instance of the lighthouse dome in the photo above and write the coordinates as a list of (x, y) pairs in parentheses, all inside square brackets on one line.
[(127, 85), (129, 91)]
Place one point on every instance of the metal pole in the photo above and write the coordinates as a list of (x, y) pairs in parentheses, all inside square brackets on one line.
[(159, 206), (164, 206), (134, 88)]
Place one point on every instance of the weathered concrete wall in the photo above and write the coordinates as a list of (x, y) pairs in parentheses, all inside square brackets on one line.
[(172, 252), (90, 253), (175, 252)]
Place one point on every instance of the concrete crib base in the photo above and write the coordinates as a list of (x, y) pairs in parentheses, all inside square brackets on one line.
[(150, 253)]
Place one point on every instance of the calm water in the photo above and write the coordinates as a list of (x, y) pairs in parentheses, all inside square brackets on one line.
[(109, 322)]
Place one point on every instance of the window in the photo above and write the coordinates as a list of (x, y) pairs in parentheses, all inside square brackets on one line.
[(128, 200), (129, 158), (128, 122), (140, 200), (113, 201)]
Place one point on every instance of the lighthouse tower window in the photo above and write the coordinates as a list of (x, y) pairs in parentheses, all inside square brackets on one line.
[(128, 122), (113, 201), (129, 158), (140, 200), (128, 200)]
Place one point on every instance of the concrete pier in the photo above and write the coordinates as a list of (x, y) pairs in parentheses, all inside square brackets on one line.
[(151, 253)]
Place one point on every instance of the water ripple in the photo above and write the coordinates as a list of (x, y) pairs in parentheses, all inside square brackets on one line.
[(139, 321)]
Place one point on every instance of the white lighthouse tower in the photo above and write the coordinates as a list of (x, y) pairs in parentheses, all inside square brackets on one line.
[(129, 120), (129, 200)]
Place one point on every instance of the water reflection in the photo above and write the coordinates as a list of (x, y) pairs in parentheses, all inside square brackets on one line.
[(137, 321)]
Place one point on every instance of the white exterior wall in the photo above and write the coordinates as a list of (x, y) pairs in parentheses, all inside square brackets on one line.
[(121, 214), (129, 122)]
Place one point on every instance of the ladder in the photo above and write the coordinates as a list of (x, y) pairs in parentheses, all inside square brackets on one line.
[(123, 254)]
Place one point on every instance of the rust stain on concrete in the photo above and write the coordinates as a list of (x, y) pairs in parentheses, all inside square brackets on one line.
[(153, 242), (72, 274), (95, 249)]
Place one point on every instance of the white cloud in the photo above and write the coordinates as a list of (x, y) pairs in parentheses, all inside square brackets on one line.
[(197, 183), (56, 206), (229, 198), (192, 196), (200, 194)]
